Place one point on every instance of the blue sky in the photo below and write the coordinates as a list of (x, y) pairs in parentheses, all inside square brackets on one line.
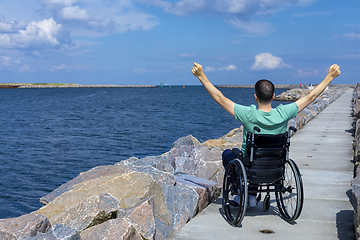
[(157, 41)]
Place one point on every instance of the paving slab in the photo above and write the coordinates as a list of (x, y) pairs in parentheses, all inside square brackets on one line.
[(323, 152)]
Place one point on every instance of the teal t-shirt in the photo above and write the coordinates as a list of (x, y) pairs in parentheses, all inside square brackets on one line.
[(273, 122)]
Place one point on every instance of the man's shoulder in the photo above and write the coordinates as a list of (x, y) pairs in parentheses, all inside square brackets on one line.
[(290, 109), (285, 106), (240, 107)]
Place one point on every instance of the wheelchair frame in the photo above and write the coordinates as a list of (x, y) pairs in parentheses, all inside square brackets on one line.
[(287, 185)]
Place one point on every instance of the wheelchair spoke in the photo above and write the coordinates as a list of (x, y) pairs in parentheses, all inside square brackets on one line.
[(234, 193), (289, 198)]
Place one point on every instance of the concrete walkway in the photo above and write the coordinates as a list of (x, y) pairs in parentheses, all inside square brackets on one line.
[(323, 152)]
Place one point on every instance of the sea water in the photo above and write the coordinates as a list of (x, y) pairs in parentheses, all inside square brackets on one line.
[(49, 136)]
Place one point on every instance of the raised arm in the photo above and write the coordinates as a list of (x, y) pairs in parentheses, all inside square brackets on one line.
[(303, 102), (224, 102)]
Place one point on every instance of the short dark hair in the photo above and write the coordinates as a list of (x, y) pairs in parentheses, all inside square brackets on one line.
[(264, 90)]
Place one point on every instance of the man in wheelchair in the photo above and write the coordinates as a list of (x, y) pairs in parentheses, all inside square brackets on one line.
[(265, 120)]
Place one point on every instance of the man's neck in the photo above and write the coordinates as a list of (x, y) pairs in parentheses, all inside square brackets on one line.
[(265, 107)]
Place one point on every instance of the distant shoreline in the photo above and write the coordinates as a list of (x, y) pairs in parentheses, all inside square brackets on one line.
[(68, 85), (74, 85)]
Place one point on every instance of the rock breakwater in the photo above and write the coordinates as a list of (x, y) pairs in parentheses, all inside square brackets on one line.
[(356, 180), (148, 198), (286, 86)]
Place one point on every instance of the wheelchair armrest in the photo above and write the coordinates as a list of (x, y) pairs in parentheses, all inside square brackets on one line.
[(293, 128), (238, 153)]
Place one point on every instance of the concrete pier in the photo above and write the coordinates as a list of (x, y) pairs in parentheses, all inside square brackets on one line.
[(323, 152)]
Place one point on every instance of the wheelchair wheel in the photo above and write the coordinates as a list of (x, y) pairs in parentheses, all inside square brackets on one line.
[(290, 197), (235, 192)]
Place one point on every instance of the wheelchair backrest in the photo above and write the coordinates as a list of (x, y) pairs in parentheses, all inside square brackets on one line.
[(268, 158)]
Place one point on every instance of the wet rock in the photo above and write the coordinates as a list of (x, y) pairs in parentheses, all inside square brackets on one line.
[(24, 226), (141, 216), (129, 188), (57, 232), (89, 212)]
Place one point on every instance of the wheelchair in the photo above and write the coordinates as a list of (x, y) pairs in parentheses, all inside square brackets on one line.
[(267, 166)]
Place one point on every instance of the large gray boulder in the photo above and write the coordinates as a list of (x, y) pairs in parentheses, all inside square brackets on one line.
[(57, 232), (24, 226), (7, 236), (182, 203), (198, 161), (93, 173), (163, 230), (208, 191), (119, 229), (160, 162), (142, 217), (356, 203), (137, 222), (129, 188), (188, 140), (89, 212), (158, 175), (231, 140)]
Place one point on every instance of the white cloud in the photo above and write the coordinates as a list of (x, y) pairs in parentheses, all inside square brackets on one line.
[(11, 27), (75, 16), (24, 68), (309, 14), (305, 73), (9, 63), (244, 9), (239, 13), (64, 66), (74, 13), (254, 28), (59, 2), (266, 61), (46, 33), (4, 60), (135, 21), (187, 55), (182, 7), (142, 70), (351, 56), (209, 69), (228, 68), (351, 36)]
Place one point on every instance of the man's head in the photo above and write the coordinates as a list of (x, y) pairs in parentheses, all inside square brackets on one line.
[(264, 90)]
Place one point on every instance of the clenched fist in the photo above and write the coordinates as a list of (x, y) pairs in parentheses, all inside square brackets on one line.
[(334, 70), (197, 70)]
